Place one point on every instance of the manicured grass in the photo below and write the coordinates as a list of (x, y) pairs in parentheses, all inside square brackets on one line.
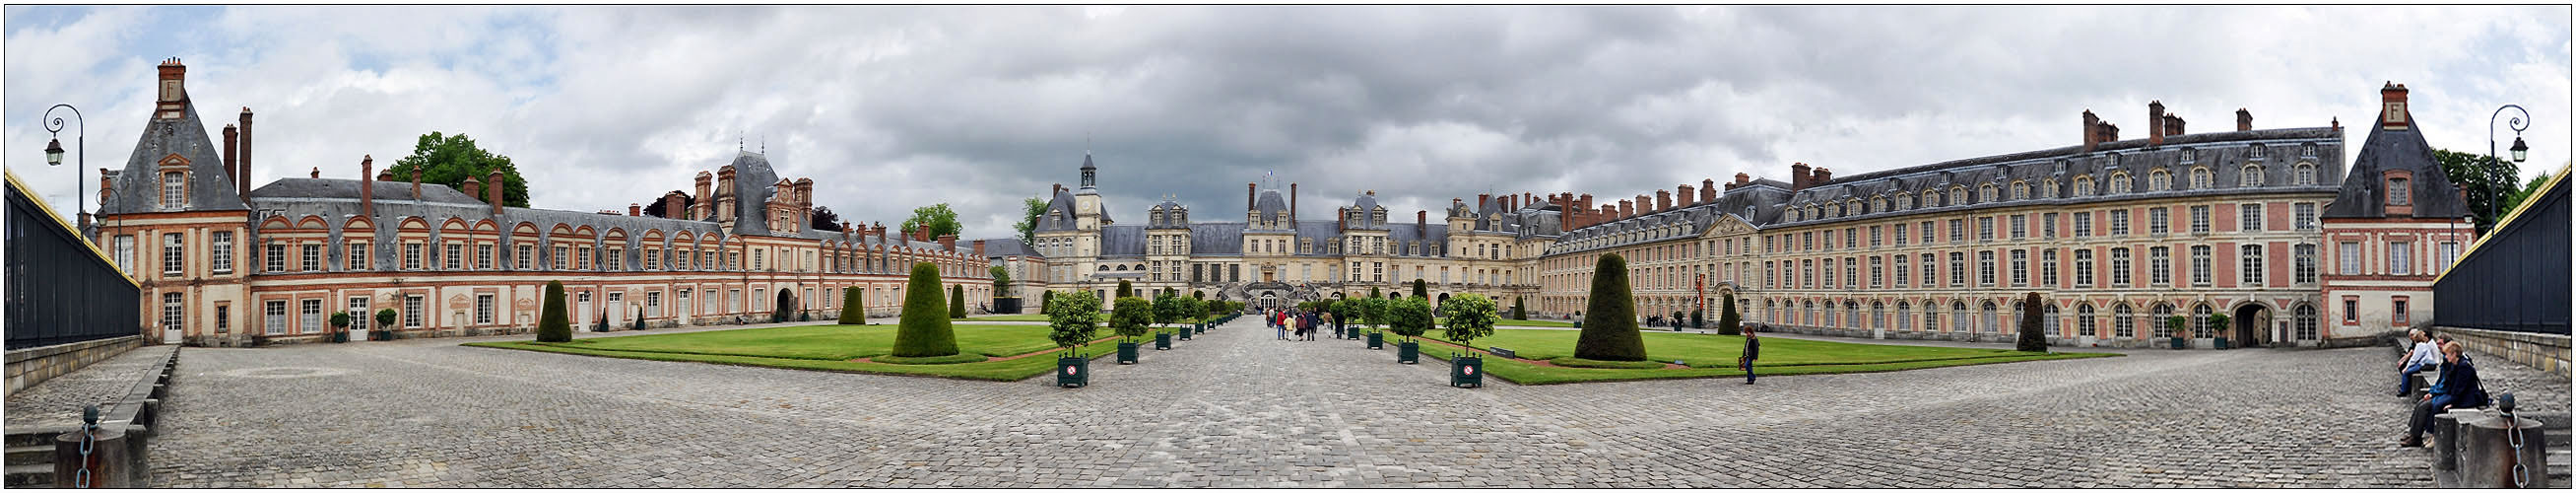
[(929, 360), (1531, 323), (1009, 318), (1713, 356), (1588, 363), (828, 348)]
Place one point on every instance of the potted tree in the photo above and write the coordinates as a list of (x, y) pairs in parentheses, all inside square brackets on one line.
[(384, 325), (1189, 315), (1677, 321), (1070, 325), (1412, 318), (1167, 310), (2177, 326), (1130, 317), (1345, 315), (2218, 323), (339, 326), (1212, 313), (1471, 316), (1373, 312)]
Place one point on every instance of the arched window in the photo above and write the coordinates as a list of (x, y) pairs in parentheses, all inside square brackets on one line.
[(1904, 201), (2159, 180), (2305, 321), (2083, 186), (1904, 317), (2250, 177), (2020, 190), (2200, 321), (2157, 319), (2306, 174), (2201, 178), (2048, 319), (2084, 323), (2048, 189), (1985, 194), (2120, 183), (2124, 324), (1988, 317), (1877, 315), (1851, 314), (1959, 317), (1959, 196)]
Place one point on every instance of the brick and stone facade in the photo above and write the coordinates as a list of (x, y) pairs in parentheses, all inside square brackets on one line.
[(224, 264)]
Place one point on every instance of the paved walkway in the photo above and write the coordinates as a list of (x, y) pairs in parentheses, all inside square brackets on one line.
[(57, 403), (1236, 408)]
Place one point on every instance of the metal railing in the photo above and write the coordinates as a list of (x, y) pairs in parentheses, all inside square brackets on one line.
[(60, 288)]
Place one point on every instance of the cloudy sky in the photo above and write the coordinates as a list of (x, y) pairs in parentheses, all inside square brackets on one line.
[(888, 108)]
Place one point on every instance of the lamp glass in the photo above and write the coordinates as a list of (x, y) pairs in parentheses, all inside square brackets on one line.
[(2520, 151), (54, 153)]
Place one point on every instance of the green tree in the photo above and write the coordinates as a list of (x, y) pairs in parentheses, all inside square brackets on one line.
[(2178, 326), (2527, 191), (1471, 316), (957, 302), (1348, 311), (1698, 318), (1046, 301), (1419, 291), (1002, 282), (1374, 310), (1168, 309), (1610, 319), (385, 319), (1728, 322), (1072, 322), (1028, 226), (2488, 183), (2031, 337), (450, 159), (2218, 323), (1131, 317), (1126, 289), (941, 220), (1519, 312), (924, 331), (552, 324), (852, 313), (1373, 292), (1410, 317)]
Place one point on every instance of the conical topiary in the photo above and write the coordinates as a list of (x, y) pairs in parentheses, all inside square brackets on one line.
[(1610, 319), (925, 331), (957, 302), (1420, 289), (552, 324), (2031, 338), (1126, 289), (852, 313), (1727, 321)]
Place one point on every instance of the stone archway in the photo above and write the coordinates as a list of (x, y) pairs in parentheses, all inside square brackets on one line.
[(2251, 321)]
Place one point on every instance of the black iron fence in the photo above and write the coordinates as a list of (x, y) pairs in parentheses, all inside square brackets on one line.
[(60, 289), (2516, 279)]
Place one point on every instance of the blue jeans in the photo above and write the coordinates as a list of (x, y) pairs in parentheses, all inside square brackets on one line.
[(2406, 379)]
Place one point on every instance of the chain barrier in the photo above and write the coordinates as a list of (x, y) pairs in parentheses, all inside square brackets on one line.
[(2513, 436), (89, 438)]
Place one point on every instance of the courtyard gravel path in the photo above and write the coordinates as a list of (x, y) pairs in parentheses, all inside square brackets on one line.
[(1236, 408)]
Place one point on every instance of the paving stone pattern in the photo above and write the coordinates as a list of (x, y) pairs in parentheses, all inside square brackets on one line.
[(57, 402), (1237, 408)]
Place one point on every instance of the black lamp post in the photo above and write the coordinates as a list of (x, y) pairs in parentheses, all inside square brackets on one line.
[(2520, 152), (54, 156)]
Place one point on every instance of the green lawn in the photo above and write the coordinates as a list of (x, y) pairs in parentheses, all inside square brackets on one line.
[(1714, 356), (1009, 318), (824, 347), (1532, 323)]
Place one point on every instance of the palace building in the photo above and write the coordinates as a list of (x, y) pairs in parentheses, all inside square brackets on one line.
[(2265, 226), (224, 264)]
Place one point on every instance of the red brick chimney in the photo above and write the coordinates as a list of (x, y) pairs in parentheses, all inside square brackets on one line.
[(1821, 177), (947, 242), (1664, 200), (415, 183), (232, 137), (1341, 218), (245, 175), (2173, 124), (2245, 119), (1421, 218), (979, 248), (673, 203), (2156, 123), (2092, 131), (1798, 176), (1248, 190), (1685, 193), (2393, 114), (1707, 190), (473, 186), (1292, 206), (634, 210), (367, 186), (494, 191), (1627, 209)]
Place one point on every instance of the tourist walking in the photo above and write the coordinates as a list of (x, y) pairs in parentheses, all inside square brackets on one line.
[(2458, 387), (1752, 351), (1313, 322), (2424, 355), (1329, 322)]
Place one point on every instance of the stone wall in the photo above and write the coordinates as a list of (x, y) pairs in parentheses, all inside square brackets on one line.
[(31, 366), (2546, 352)]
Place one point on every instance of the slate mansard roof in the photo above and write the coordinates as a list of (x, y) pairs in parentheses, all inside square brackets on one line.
[(2396, 150), (138, 187)]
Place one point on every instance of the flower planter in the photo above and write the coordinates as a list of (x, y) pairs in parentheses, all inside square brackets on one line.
[(1126, 353), (339, 337), (1408, 353), (1374, 340), (1185, 333), (2179, 343), (1072, 372), (1467, 371), (1162, 341), (2220, 343)]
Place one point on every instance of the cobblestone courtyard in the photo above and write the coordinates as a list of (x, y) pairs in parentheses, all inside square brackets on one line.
[(1236, 408)]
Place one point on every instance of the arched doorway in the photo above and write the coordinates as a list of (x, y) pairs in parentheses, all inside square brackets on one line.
[(2250, 320)]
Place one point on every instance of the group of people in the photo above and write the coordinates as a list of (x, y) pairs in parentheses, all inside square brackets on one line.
[(1297, 324), (2455, 382)]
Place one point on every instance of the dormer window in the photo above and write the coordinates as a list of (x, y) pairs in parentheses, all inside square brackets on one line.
[(2256, 151), (174, 189), (2306, 174), (2159, 181), (2189, 155), (2307, 150), (2250, 177), (2201, 179), (2398, 194)]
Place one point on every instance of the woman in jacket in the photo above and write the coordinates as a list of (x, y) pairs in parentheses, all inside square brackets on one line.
[(2458, 388)]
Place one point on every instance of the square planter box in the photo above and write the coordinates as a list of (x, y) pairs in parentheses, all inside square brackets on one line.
[(1467, 371), (1162, 341), (1126, 353), (1374, 340), (1072, 372), (1185, 333), (1408, 353)]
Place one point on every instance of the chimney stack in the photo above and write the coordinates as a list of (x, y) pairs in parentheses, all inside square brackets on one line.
[(2092, 131), (1627, 209), (1341, 218), (174, 97), (415, 183), (1664, 200), (674, 206), (632, 209), (1685, 192), (2393, 114), (494, 191), (367, 186), (1822, 176), (2156, 123), (1798, 176), (245, 175), (2173, 124), (979, 248), (473, 186), (2244, 120), (1248, 190), (232, 149), (1292, 206), (1707, 190), (947, 242)]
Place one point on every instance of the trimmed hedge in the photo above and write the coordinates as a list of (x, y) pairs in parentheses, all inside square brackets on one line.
[(957, 302), (2031, 338), (1610, 319), (924, 331), (1728, 322), (552, 324), (851, 311)]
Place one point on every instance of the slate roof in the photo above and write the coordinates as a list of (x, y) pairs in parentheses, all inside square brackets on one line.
[(2393, 150), (333, 188), (1005, 247), (138, 186), (753, 184)]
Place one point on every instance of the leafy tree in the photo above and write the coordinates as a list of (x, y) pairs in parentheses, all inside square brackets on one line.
[(1610, 319), (656, 208), (2528, 190), (339, 320), (552, 324), (1131, 317), (1471, 316), (1411, 317), (1375, 310), (2487, 182), (2031, 337), (385, 319), (450, 159), (1198, 294), (1373, 292), (1126, 289), (924, 331), (1046, 302), (2178, 325), (825, 219), (1168, 309), (852, 312), (941, 220), (957, 302), (1028, 226), (1698, 318), (1211, 308), (1729, 322), (1072, 322), (2218, 322), (785, 309), (1001, 281), (1419, 291), (1348, 311)]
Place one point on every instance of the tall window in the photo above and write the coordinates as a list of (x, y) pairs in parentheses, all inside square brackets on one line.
[(2157, 319), (359, 317), (1958, 269), (2124, 323), (312, 311), (2200, 179), (2020, 226), (2048, 225), (222, 255), (2348, 258), (2306, 322), (1929, 277), (174, 253), (125, 253), (312, 258), (2304, 214), (174, 190), (2249, 217), (455, 255), (2398, 264), (2159, 221), (2200, 321), (2084, 224), (1986, 228), (2250, 261), (2048, 267), (2200, 219), (2021, 267), (1958, 230), (274, 317), (2306, 174), (2200, 265), (2443, 255), (1986, 268), (2084, 267), (2159, 181), (2119, 222), (357, 253), (483, 256), (2398, 194), (174, 311), (483, 309), (411, 311), (2305, 259), (2251, 176), (1877, 270), (275, 261), (2160, 266), (2084, 320), (1901, 278), (411, 256)]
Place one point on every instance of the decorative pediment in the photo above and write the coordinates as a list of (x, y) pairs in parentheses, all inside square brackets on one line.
[(174, 161)]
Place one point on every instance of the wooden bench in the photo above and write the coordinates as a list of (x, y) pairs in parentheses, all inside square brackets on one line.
[(1499, 351)]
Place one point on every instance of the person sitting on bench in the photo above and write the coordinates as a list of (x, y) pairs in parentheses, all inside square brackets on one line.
[(2458, 388), (2424, 355)]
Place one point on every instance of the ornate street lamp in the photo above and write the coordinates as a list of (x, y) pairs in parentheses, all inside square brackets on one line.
[(2520, 152), (54, 156)]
